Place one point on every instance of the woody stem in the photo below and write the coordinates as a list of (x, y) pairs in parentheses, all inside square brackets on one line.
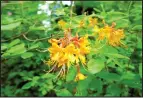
[(78, 68)]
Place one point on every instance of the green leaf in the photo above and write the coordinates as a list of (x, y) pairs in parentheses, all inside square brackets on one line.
[(122, 23), (108, 49), (132, 83), (114, 90), (109, 76), (116, 55), (27, 85), (34, 46), (137, 27), (10, 26), (128, 75), (12, 75), (95, 65), (84, 84), (16, 50), (140, 70), (44, 91), (37, 28), (27, 55), (93, 85), (4, 47), (63, 92), (121, 19), (139, 44), (71, 74), (48, 76), (16, 41), (81, 92)]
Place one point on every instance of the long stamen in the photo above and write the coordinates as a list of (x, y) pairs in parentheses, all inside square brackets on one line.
[(78, 68), (64, 71), (52, 68), (59, 72)]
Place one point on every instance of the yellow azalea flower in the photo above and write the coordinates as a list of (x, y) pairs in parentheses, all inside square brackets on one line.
[(63, 55), (92, 21), (105, 32), (62, 60), (82, 58), (112, 35), (70, 59), (53, 41), (84, 50), (55, 48), (80, 76), (83, 41), (68, 51), (115, 38), (50, 62), (62, 24), (96, 29), (81, 24)]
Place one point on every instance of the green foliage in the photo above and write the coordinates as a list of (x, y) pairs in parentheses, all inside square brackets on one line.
[(10, 26), (27, 55), (63, 92), (95, 65), (109, 71), (71, 74)]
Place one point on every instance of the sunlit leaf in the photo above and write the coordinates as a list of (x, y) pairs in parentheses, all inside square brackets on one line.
[(63, 92), (27, 55), (27, 85), (10, 26), (95, 65), (14, 42)]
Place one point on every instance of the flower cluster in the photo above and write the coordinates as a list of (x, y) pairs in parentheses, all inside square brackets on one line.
[(113, 35), (68, 51)]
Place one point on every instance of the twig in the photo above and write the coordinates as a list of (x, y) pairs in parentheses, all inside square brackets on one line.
[(14, 37), (27, 38), (59, 72), (52, 68), (35, 39), (41, 51), (71, 12), (18, 35)]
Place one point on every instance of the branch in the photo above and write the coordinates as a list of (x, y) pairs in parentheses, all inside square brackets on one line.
[(38, 39), (71, 12), (41, 51), (14, 37), (27, 38)]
